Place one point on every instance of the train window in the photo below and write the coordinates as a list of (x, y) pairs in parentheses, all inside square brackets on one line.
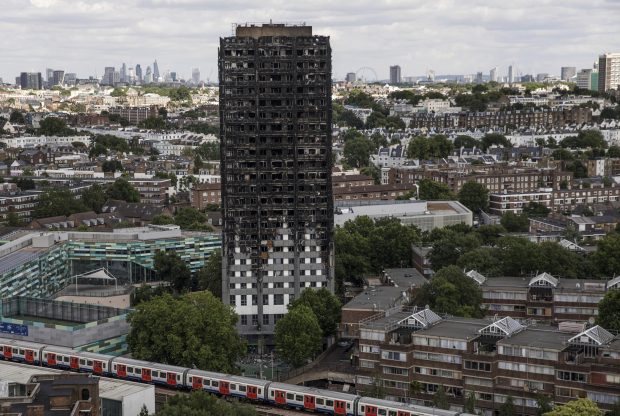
[(233, 387), (138, 371), (319, 402), (392, 413), (130, 369), (241, 387), (260, 391), (189, 380), (348, 405), (215, 383), (82, 362), (329, 403), (155, 373), (299, 398), (21, 352), (178, 377), (89, 362), (162, 375), (14, 350), (290, 396), (362, 408), (65, 359), (382, 412), (271, 393)]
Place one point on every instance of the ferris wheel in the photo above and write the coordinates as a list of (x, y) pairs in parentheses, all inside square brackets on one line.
[(366, 74)]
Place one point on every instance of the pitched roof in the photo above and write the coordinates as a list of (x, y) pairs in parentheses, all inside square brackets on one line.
[(544, 279), (503, 327), (613, 283), (596, 335), (421, 319)]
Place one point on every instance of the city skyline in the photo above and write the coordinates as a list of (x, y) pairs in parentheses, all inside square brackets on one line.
[(418, 36)]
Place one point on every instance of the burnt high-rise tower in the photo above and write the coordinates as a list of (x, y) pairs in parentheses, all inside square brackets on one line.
[(275, 114)]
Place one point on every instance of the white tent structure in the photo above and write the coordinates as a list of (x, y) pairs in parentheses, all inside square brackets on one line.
[(99, 274)]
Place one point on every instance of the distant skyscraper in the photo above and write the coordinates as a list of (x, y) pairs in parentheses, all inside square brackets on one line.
[(58, 77), (493, 74), (123, 73), (49, 75), (108, 76), (155, 71), (148, 75), (277, 201), (587, 79), (479, 78), (173, 76), (31, 80), (567, 73), (196, 76), (395, 77), (527, 78), (608, 72), (70, 78), (350, 77), (131, 75), (511, 76), (138, 73), (541, 77)]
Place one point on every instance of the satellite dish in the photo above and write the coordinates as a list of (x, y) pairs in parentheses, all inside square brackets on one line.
[(591, 320)]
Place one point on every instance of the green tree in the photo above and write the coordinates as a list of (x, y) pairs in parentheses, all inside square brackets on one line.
[(162, 219), (607, 255), (357, 151), (375, 389), (122, 190), (325, 306), (470, 403), (474, 196), (58, 201), (579, 407), (372, 171), (144, 411), (490, 233), (609, 311), (94, 198), (12, 219), (440, 399), (190, 218), (171, 268), (536, 209), (483, 260), (298, 335), (24, 183), (433, 191), (450, 291), (111, 166), (153, 123), (199, 328), (515, 223), (447, 249), (466, 141), (54, 126), (508, 407), (494, 139), (210, 276), (613, 151), (17, 117), (544, 404), (200, 403)]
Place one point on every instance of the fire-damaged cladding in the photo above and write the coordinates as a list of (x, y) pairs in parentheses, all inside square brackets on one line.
[(275, 113)]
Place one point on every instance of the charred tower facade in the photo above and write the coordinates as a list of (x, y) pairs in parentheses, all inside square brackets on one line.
[(275, 114)]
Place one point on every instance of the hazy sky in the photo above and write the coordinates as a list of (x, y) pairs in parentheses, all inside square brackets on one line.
[(447, 36)]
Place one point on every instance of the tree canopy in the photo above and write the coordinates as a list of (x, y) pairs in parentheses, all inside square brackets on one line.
[(609, 311), (474, 196), (450, 291), (200, 403), (171, 268), (325, 306), (210, 277), (431, 190), (122, 190), (58, 201), (579, 407), (433, 147), (298, 335), (199, 330)]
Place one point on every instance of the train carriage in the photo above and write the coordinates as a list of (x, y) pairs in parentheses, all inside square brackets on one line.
[(227, 385), (312, 399), (137, 370), (368, 406), (20, 351), (82, 361)]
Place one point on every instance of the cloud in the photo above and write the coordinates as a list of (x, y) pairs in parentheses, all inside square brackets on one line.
[(448, 36)]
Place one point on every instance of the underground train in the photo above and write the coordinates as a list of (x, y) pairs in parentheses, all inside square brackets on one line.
[(264, 391)]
